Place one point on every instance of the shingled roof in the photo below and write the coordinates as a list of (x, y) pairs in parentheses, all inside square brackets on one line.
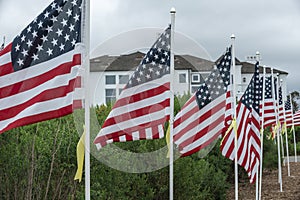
[(130, 61), (248, 68)]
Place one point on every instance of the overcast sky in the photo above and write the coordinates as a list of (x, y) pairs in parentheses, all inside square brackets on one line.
[(268, 26)]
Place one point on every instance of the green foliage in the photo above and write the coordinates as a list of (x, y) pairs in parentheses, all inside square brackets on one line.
[(270, 154), (39, 162), (37, 157)]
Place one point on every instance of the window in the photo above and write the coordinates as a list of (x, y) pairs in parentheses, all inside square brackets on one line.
[(110, 79), (123, 79), (195, 78), (244, 80), (182, 78), (110, 95)]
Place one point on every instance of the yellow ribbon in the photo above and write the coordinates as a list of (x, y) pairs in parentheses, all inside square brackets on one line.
[(274, 131), (168, 141), (283, 130), (232, 126), (80, 157), (292, 129)]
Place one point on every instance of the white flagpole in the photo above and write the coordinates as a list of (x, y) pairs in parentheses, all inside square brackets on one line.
[(279, 124), (171, 157), (286, 138), (262, 132), (234, 116), (282, 148), (86, 62), (278, 138), (258, 175), (293, 127)]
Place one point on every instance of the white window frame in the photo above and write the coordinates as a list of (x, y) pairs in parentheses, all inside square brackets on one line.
[(106, 76), (197, 77), (113, 96)]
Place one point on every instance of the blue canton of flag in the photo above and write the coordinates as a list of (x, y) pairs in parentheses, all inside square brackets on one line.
[(280, 96), (54, 32), (39, 69), (288, 104), (252, 95), (216, 83), (155, 64)]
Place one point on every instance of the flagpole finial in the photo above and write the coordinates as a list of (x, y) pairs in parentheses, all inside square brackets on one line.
[(172, 10), (257, 56), (232, 36)]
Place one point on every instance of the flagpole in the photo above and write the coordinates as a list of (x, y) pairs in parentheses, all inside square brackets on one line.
[(278, 139), (279, 136), (293, 127), (86, 61), (257, 178), (262, 131), (279, 124), (286, 138), (171, 157), (234, 116)]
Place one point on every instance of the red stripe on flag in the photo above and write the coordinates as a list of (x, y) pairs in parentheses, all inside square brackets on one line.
[(136, 113), (6, 69), (142, 95), (28, 84), (197, 121), (6, 50), (129, 131), (39, 117), (43, 96), (205, 144), (201, 133)]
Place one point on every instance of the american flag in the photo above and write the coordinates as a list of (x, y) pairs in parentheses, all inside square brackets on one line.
[(281, 108), (269, 103), (144, 103), (248, 130), (288, 112), (296, 118), (201, 119), (38, 69)]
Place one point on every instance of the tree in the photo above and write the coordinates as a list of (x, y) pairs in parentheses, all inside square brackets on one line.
[(295, 100)]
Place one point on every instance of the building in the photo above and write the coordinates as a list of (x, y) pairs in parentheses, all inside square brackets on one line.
[(109, 74)]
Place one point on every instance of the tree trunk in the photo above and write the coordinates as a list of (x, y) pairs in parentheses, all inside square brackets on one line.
[(52, 160), (31, 173)]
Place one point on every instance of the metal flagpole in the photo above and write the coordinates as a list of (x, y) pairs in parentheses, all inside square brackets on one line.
[(293, 128), (286, 138), (234, 116), (86, 62), (279, 124), (262, 131), (278, 139), (171, 157)]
